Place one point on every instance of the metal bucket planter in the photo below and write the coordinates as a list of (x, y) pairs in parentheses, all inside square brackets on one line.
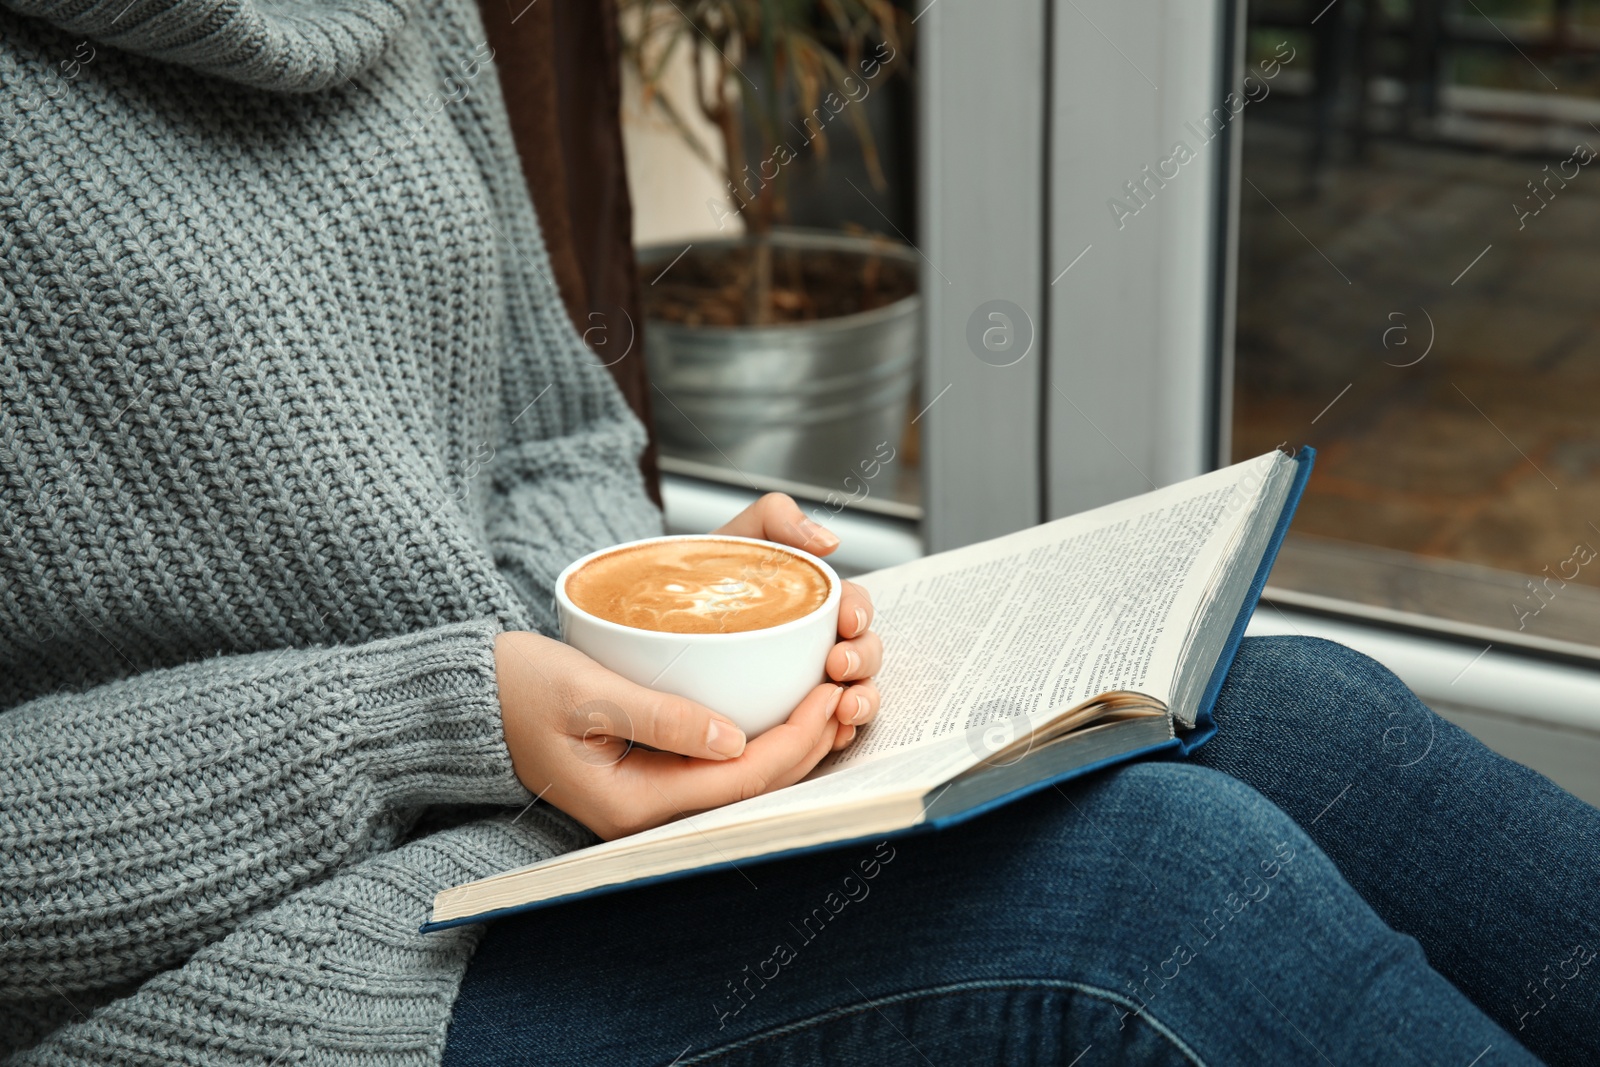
[(804, 402)]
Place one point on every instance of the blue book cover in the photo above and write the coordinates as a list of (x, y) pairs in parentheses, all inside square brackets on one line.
[(984, 789)]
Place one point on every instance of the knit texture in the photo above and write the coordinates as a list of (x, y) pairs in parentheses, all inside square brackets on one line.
[(292, 423)]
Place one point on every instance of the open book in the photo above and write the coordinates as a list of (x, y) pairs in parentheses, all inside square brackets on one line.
[(1009, 666)]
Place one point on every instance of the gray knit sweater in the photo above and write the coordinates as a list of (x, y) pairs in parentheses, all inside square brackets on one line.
[(291, 424)]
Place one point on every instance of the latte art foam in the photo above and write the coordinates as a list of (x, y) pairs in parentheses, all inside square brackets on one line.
[(698, 587)]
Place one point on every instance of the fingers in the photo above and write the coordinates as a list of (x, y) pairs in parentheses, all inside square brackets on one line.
[(675, 724), (776, 517), (826, 738), (827, 741), (854, 660), (855, 610), (859, 705), (571, 726), (668, 786), (618, 708)]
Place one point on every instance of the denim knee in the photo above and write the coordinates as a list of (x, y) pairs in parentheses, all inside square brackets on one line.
[(1191, 816), (1304, 675), (1302, 703)]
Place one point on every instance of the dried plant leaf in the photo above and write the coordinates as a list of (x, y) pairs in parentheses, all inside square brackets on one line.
[(816, 46)]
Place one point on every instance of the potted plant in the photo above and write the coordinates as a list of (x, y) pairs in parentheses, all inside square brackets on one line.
[(781, 352)]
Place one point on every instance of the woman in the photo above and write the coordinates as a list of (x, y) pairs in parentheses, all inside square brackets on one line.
[(295, 438)]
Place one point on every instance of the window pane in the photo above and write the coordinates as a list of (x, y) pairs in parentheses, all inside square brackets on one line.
[(1418, 280)]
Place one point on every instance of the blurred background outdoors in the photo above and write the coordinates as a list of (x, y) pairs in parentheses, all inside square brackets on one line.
[(1421, 135)]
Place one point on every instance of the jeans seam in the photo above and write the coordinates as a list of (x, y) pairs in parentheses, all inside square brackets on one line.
[(948, 989)]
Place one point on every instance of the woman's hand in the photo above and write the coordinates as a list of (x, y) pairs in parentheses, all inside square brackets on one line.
[(574, 728), (859, 653)]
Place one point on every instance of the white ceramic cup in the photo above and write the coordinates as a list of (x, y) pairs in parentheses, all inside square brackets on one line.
[(755, 677)]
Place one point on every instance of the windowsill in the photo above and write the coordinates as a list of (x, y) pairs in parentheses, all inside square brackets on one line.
[(900, 496), (1429, 594), (867, 541)]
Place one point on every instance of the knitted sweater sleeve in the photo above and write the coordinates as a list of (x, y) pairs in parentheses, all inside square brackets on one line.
[(144, 818), (334, 975)]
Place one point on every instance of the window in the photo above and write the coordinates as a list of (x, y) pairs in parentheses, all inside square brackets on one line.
[(1419, 258)]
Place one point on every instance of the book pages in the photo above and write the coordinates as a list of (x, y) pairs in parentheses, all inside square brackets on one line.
[(1025, 627)]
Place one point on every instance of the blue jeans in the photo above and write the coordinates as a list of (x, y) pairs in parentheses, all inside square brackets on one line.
[(1339, 877)]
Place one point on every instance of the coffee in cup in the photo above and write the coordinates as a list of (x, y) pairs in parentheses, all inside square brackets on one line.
[(741, 626), (698, 586)]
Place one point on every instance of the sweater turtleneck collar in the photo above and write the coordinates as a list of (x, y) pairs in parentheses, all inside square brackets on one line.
[(294, 46)]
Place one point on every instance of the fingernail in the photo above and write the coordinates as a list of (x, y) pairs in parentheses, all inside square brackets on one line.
[(860, 711), (861, 622), (724, 738), (852, 662), (822, 536), (833, 705)]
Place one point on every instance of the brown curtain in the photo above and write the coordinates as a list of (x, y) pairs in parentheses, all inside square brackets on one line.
[(560, 72)]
